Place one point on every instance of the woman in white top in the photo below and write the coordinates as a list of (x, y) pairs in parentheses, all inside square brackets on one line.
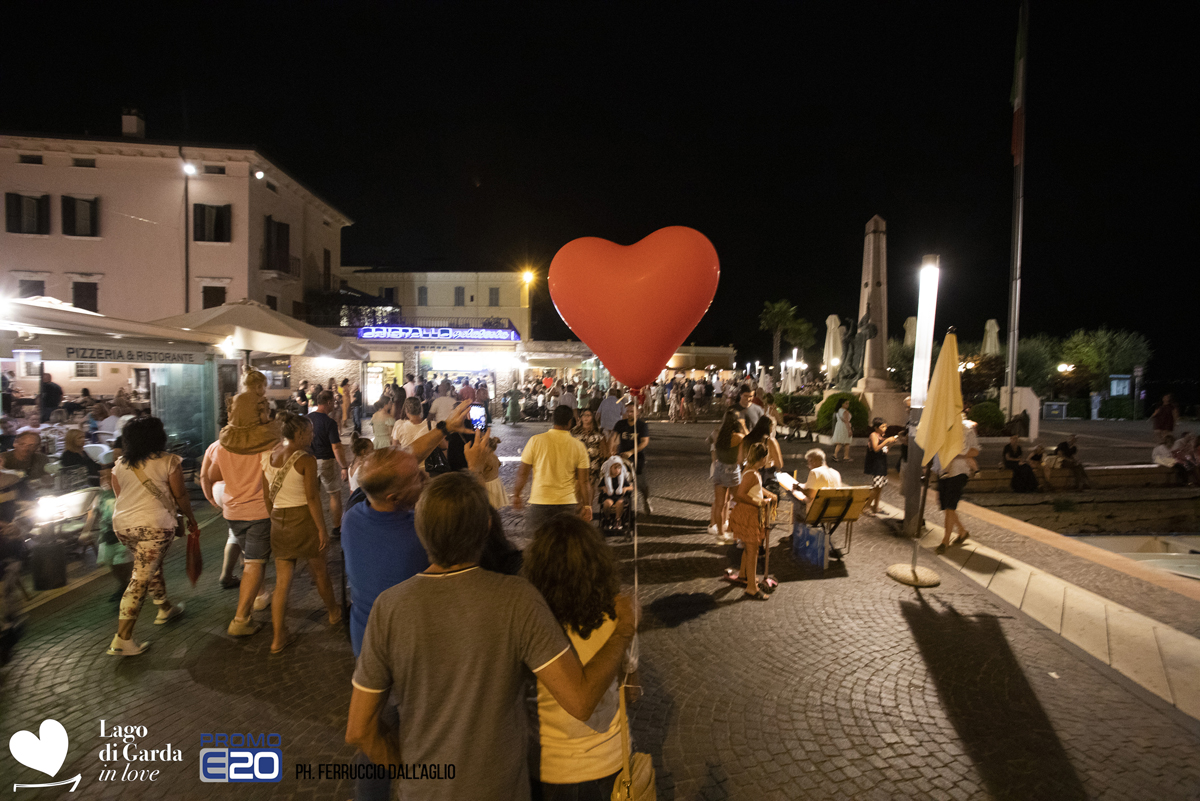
[(411, 426), (574, 570), (382, 422), (292, 492), (148, 483), (842, 431)]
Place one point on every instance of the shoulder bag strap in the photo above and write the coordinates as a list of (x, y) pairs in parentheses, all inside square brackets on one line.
[(277, 482), (153, 489)]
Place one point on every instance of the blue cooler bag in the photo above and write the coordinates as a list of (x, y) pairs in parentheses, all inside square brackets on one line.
[(810, 545)]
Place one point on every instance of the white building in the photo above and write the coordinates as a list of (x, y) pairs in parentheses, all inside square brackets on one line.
[(142, 229), (426, 298)]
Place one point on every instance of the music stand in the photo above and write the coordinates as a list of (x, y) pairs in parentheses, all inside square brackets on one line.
[(830, 508)]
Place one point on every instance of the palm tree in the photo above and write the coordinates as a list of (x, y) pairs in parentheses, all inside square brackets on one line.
[(777, 318), (800, 334)]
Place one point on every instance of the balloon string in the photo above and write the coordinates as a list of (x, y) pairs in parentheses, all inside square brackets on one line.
[(636, 489)]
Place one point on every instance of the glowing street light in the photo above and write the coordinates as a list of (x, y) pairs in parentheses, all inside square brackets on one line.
[(189, 168), (836, 361), (1065, 368), (527, 277), (259, 174), (926, 309)]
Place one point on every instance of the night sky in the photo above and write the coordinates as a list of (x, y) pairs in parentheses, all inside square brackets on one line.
[(460, 139)]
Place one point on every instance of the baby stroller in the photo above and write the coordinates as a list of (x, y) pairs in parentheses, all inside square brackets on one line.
[(616, 518)]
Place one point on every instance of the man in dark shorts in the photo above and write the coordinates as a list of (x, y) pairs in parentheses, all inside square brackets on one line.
[(628, 444), (951, 482), (327, 449)]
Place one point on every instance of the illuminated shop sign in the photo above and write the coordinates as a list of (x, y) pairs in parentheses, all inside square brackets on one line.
[(470, 334)]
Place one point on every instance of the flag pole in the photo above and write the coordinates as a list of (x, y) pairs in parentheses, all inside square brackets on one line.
[(1018, 211)]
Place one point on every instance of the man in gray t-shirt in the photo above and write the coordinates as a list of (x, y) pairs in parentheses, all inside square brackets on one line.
[(454, 646)]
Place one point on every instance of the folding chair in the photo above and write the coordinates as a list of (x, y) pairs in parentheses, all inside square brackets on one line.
[(829, 509)]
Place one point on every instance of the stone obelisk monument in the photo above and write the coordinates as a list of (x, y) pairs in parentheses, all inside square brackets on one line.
[(876, 388)]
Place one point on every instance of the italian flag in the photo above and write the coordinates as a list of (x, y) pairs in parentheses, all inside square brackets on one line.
[(1017, 98)]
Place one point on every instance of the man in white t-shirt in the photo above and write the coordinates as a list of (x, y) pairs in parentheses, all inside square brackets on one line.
[(819, 475), (410, 387), (443, 406)]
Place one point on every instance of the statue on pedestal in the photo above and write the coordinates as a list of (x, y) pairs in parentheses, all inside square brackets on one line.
[(854, 350)]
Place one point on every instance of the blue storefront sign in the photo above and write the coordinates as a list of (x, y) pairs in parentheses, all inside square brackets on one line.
[(410, 333)]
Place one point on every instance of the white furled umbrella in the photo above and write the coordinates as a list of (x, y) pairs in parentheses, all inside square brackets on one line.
[(991, 339), (940, 432), (910, 332), (833, 344), (251, 326)]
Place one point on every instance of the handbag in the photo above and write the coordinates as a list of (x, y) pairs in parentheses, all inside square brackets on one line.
[(636, 781), (195, 561)]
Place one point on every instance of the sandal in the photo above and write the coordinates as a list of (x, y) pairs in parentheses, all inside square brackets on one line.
[(768, 584), (755, 596), (941, 549), (960, 539), (291, 638), (733, 576)]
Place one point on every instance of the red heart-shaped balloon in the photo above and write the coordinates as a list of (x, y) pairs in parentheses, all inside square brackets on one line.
[(634, 305)]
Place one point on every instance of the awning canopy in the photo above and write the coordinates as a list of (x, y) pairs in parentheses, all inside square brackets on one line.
[(61, 332), (249, 325)]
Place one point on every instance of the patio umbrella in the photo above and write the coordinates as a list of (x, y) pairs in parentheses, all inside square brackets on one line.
[(251, 326), (940, 431), (833, 344), (991, 339)]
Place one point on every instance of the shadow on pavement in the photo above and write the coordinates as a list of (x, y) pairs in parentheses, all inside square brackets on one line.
[(672, 610), (987, 697)]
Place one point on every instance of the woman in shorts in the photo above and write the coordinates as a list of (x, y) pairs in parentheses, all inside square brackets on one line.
[(726, 472)]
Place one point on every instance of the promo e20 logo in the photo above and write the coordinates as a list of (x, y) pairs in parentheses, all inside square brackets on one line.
[(241, 758)]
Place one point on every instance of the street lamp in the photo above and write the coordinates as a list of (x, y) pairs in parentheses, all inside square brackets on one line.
[(926, 310), (1065, 368), (527, 277), (259, 174), (189, 168)]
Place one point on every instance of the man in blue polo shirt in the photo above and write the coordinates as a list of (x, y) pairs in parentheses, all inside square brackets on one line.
[(378, 537)]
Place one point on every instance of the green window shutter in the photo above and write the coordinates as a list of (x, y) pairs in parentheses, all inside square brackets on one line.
[(94, 208), (225, 223), (43, 206), (12, 212), (68, 215), (198, 229)]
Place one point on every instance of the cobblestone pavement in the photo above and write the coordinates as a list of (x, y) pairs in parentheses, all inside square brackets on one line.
[(844, 685)]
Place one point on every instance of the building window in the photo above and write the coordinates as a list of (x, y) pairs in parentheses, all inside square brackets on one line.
[(80, 216), (272, 187), (277, 246), (326, 223), (212, 223), (327, 270), (31, 289), (33, 369), (83, 163), (214, 169), (272, 302), (87, 370), (30, 159), (26, 214), (212, 296), (460, 296), (388, 293), (298, 311), (85, 295), (422, 296), (493, 296)]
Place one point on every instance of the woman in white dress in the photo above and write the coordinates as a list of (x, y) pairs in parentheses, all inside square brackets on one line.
[(842, 432)]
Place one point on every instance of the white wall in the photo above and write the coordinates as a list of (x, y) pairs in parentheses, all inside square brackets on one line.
[(138, 258)]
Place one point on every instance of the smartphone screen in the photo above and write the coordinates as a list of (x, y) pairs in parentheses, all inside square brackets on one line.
[(478, 415)]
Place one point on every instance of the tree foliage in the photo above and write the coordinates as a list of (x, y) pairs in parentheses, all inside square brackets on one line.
[(780, 319), (1105, 352)]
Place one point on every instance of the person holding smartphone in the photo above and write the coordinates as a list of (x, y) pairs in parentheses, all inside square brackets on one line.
[(460, 435)]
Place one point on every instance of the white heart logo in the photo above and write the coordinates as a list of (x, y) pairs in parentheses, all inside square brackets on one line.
[(44, 753)]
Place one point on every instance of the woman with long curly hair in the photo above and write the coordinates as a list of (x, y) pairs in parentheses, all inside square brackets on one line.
[(575, 572)]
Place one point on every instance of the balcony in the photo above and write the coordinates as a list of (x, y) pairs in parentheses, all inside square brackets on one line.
[(281, 267)]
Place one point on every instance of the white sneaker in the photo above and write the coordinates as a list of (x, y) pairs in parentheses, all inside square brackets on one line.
[(120, 647), (175, 611), (262, 602), (713, 530)]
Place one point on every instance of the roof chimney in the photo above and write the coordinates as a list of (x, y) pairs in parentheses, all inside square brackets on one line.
[(132, 123)]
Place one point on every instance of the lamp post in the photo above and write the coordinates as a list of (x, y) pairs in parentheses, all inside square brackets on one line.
[(911, 480)]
